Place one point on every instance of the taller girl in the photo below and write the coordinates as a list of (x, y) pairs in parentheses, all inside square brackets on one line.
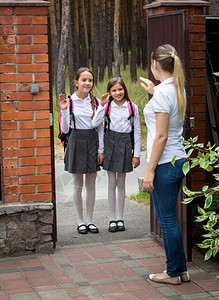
[(164, 116), (117, 145), (85, 146)]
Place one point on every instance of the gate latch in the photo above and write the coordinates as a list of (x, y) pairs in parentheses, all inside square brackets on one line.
[(192, 123)]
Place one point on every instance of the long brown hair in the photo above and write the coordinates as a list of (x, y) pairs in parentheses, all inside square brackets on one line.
[(77, 76), (169, 61), (114, 81)]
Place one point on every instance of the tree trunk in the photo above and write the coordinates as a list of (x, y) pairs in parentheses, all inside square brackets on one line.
[(91, 32), (116, 39), (54, 42), (63, 47), (76, 35), (96, 42), (102, 40), (71, 67), (109, 39), (133, 42)]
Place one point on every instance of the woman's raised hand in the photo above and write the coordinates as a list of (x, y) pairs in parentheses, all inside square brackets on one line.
[(104, 99), (148, 85), (62, 102)]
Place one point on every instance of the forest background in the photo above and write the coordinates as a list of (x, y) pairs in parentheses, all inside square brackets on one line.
[(107, 36)]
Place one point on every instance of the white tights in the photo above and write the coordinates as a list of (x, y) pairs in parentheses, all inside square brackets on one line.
[(90, 196), (116, 180)]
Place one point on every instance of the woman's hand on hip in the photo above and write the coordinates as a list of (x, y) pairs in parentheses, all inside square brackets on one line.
[(148, 85), (148, 181), (63, 103)]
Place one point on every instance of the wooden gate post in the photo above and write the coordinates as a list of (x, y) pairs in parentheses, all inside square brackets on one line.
[(196, 96), (26, 209)]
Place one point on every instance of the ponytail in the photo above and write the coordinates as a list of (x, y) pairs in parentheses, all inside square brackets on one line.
[(179, 82), (169, 61), (92, 105)]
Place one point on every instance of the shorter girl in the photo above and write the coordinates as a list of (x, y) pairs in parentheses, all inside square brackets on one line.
[(117, 144), (85, 146)]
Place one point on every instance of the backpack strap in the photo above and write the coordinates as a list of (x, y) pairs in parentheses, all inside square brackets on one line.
[(71, 108), (131, 108), (107, 117), (96, 102)]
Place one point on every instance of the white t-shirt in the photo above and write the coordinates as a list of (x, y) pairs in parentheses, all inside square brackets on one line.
[(165, 100)]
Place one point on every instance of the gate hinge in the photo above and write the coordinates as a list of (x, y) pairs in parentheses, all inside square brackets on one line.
[(51, 119)]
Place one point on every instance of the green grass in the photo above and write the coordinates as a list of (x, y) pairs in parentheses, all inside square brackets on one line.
[(136, 94), (142, 197)]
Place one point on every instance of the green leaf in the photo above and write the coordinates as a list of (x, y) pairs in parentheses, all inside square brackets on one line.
[(173, 160), (209, 168), (201, 218), (208, 201), (203, 163), (186, 168), (208, 254), (215, 252), (200, 210), (190, 152), (187, 147), (195, 139), (216, 73), (187, 200), (203, 246), (205, 187), (195, 162), (207, 241), (200, 145)]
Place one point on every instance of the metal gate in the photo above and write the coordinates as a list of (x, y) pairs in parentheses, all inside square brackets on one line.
[(172, 28)]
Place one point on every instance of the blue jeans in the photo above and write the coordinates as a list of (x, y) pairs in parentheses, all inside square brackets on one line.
[(167, 182)]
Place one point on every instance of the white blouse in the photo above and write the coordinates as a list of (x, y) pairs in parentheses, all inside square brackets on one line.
[(165, 100), (82, 111), (120, 123)]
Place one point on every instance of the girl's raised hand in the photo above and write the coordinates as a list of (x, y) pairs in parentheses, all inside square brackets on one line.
[(62, 102), (148, 85), (104, 99)]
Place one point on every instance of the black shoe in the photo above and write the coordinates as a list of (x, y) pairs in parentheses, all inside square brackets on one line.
[(92, 230), (120, 227), (112, 228), (82, 230)]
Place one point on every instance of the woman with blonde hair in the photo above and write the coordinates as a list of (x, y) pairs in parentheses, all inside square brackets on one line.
[(164, 116)]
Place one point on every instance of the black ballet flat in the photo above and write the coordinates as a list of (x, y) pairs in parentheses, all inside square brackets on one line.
[(120, 227), (112, 228), (80, 230), (92, 230)]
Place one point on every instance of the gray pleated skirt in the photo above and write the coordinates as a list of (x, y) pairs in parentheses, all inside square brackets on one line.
[(117, 152), (82, 151)]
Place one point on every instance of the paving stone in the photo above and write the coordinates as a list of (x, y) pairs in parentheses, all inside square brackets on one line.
[(167, 291), (197, 296), (54, 295), (25, 296)]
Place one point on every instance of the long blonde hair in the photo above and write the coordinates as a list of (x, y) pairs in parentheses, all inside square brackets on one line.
[(169, 61)]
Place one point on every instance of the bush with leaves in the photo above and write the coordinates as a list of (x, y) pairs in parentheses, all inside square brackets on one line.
[(207, 158)]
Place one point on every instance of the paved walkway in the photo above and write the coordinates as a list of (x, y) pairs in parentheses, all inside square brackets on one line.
[(114, 270), (111, 266)]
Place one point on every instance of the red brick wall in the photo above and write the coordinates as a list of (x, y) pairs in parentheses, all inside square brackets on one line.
[(197, 70), (24, 118)]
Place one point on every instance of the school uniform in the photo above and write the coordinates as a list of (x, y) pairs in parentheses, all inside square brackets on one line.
[(117, 141), (85, 140)]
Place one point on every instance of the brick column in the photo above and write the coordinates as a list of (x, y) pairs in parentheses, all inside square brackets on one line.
[(25, 161), (197, 68)]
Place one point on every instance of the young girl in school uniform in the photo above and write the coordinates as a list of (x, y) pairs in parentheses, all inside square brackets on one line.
[(118, 158), (84, 151)]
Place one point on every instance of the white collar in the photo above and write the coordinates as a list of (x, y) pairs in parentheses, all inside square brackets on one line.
[(115, 105), (163, 83), (75, 97)]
